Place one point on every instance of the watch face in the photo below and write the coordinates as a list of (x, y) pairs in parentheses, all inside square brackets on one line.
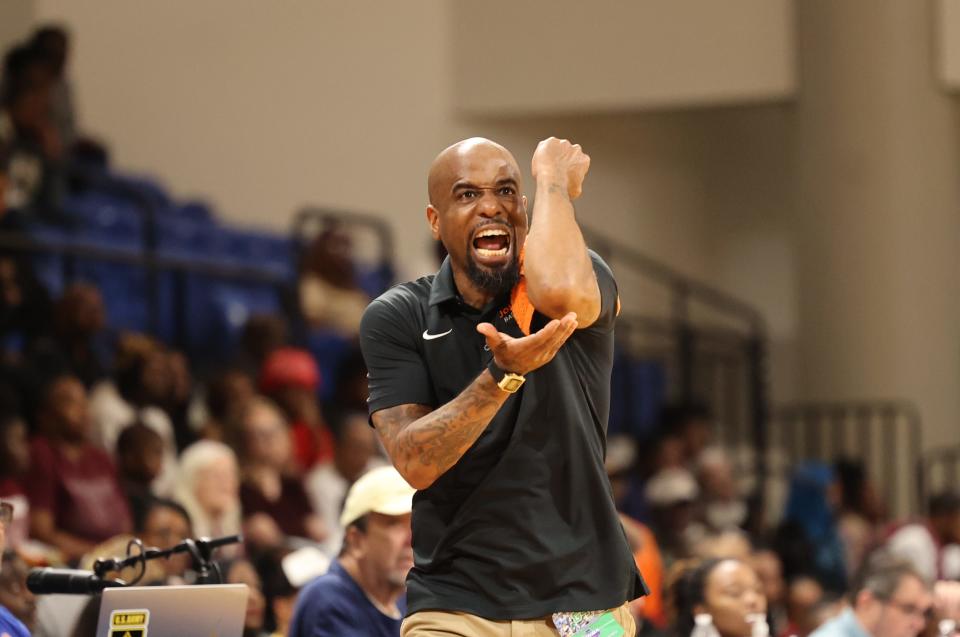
[(512, 383)]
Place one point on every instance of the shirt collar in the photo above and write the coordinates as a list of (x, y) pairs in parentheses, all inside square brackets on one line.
[(443, 287), (853, 626)]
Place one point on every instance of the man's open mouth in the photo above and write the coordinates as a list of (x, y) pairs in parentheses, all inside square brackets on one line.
[(492, 242)]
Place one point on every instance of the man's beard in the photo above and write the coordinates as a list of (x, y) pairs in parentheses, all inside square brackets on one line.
[(493, 282)]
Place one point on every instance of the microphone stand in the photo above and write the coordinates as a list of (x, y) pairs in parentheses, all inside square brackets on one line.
[(200, 550)]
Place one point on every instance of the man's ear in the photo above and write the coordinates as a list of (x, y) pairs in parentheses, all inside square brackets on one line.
[(433, 218)]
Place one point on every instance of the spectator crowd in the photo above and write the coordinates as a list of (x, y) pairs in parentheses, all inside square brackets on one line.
[(107, 435)]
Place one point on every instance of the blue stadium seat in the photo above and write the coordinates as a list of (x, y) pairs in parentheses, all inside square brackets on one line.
[(329, 348)]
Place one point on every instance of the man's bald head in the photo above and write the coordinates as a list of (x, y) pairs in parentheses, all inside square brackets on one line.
[(444, 169)]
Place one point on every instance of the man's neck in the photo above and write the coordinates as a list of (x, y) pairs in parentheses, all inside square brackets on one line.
[(863, 622), (470, 293), (381, 593)]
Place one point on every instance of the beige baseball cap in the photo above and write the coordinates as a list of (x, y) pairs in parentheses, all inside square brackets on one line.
[(381, 490)]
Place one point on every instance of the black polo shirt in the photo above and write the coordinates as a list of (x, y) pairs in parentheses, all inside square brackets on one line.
[(524, 524)]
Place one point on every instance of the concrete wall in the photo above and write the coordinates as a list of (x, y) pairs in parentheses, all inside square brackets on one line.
[(542, 56), (948, 42), (16, 19)]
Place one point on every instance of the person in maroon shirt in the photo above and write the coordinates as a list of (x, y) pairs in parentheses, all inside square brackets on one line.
[(268, 492), (76, 501), (290, 377), (14, 464)]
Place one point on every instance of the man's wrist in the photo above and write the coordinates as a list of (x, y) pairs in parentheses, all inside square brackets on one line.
[(507, 381)]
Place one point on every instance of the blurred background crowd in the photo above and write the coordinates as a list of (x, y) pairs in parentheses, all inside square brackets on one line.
[(120, 419)]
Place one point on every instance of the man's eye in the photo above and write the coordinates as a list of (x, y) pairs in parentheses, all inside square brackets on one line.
[(508, 191), (468, 194)]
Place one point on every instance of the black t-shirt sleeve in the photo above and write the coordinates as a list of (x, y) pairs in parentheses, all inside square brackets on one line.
[(609, 294), (396, 372)]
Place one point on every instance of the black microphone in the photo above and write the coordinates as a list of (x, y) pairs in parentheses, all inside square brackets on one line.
[(66, 581), (206, 543)]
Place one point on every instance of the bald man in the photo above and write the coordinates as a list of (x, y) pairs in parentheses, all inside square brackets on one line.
[(489, 388)]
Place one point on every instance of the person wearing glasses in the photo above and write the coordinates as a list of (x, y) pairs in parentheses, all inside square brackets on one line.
[(10, 626), (889, 599)]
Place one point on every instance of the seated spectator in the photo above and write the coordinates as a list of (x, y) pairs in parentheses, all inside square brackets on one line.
[(10, 625), (138, 392), (671, 495), (808, 540), (280, 595), (327, 484), (227, 392), (722, 506), (349, 388), (14, 464), (25, 306), (724, 594), (290, 378), (330, 297), (648, 610), (860, 512), (823, 611), (766, 564), (14, 595), (139, 462), (362, 593), (75, 497), (804, 594), (946, 610), (77, 343), (889, 598), (692, 423), (267, 492), (240, 571), (35, 182), (165, 524), (53, 46), (931, 543), (180, 399), (728, 544), (208, 487), (262, 335)]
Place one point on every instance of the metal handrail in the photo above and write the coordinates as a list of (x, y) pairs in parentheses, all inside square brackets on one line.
[(682, 285), (818, 427), (313, 214), (18, 243)]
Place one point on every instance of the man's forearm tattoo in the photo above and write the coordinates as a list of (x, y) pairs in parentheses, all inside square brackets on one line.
[(430, 442)]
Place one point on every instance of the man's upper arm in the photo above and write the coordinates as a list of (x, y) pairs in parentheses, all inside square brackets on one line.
[(396, 371)]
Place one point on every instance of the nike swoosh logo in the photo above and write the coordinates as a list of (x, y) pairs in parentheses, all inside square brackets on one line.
[(430, 337)]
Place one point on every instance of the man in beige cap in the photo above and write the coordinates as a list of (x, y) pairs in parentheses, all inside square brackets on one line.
[(362, 593)]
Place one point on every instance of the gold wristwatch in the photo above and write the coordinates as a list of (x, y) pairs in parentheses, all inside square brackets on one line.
[(507, 381)]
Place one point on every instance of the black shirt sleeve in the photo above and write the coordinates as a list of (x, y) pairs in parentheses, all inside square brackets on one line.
[(397, 374), (609, 295), (609, 299)]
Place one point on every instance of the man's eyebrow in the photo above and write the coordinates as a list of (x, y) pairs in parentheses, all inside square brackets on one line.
[(466, 185), (463, 185)]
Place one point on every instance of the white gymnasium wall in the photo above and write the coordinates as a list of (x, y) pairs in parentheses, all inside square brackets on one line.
[(16, 19), (546, 56), (948, 44)]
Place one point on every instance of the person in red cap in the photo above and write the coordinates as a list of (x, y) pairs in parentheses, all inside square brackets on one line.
[(291, 378)]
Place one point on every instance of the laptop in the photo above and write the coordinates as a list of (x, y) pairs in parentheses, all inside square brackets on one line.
[(216, 610)]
